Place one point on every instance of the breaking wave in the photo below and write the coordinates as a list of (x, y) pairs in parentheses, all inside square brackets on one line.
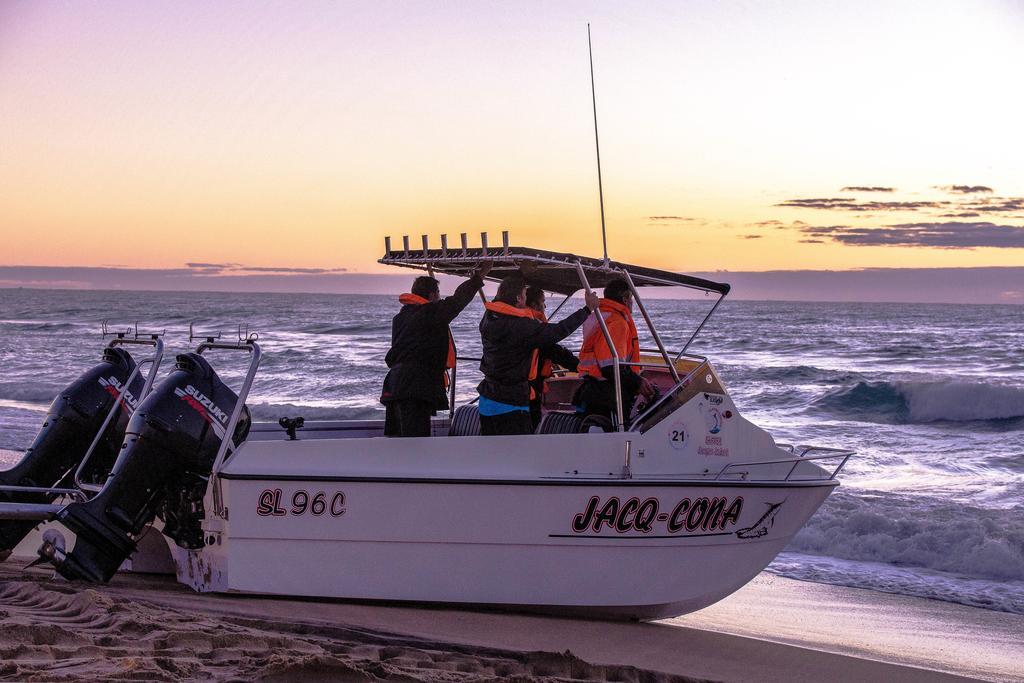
[(922, 402), (29, 391), (910, 531), (274, 411)]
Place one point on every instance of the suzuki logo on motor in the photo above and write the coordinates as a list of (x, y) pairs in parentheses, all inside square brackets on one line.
[(114, 387), (199, 400)]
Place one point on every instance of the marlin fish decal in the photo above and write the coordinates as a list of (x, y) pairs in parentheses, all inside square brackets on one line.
[(761, 526)]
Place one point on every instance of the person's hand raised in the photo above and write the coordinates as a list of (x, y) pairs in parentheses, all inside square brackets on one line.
[(593, 301), (483, 269)]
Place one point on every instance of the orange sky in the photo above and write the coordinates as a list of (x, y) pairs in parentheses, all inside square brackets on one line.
[(299, 134)]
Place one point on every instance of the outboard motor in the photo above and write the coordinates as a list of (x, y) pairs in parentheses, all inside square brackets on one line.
[(168, 453), (71, 425)]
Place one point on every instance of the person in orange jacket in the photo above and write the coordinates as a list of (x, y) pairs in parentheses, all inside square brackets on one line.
[(547, 358), (597, 361)]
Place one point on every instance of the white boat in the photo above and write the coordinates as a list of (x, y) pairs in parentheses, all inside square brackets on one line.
[(666, 514)]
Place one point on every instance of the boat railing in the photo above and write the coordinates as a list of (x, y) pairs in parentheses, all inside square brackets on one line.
[(801, 454), (75, 494), (153, 361), (246, 342)]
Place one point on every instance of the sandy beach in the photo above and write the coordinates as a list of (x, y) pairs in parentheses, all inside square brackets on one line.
[(144, 627)]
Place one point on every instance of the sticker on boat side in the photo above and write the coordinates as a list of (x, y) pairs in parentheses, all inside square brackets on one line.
[(760, 527), (712, 413), (272, 503), (708, 516), (677, 436), (713, 446)]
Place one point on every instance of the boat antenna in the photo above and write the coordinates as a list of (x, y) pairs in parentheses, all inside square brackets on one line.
[(597, 145)]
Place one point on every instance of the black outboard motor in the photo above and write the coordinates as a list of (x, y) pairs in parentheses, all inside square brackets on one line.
[(165, 462), (71, 424)]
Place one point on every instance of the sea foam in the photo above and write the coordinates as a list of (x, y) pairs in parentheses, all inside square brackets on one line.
[(910, 531)]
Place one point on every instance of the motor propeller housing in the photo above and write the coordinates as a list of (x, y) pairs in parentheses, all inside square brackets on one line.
[(168, 453), (71, 424)]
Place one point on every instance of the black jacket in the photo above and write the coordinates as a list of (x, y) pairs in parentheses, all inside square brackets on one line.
[(419, 347), (508, 343)]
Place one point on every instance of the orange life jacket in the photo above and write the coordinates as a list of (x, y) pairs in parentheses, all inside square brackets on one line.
[(417, 300), (501, 308), (595, 353), (545, 367)]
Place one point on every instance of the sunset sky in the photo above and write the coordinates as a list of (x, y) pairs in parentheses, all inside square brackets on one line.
[(295, 135)]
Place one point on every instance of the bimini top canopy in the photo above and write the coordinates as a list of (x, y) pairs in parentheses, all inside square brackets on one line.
[(553, 271)]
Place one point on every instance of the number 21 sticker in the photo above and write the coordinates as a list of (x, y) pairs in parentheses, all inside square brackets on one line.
[(677, 436)]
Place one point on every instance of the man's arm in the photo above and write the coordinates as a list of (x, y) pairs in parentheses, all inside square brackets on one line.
[(631, 381), (560, 355), (546, 334), (540, 335), (450, 306)]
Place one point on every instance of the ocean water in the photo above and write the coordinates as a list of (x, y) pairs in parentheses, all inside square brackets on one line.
[(930, 396)]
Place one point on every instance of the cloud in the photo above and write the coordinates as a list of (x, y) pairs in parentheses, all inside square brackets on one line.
[(779, 225), (844, 204), (285, 271), (996, 205), (752, 237), (208, 269), (214, 266), (963, 189), (812, 241), (670, 218), (867, 188), (948, 235)]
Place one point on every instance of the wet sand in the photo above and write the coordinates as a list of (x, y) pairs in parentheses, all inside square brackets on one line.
[(150, 628)]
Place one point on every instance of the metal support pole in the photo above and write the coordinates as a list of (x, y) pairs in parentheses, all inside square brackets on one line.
[(425, 247), (387, 247), (243, 393), (559, 307), (451, 392), (700, 327), (35, 512), (650, 326), (621, 426), (405, 245), (444, 245)]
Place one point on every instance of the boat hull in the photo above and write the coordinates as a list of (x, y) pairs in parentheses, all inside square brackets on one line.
[(603, 548)]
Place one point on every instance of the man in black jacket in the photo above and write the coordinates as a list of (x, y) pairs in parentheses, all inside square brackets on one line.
[(547, 357), (511, 338), (422, 349)]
